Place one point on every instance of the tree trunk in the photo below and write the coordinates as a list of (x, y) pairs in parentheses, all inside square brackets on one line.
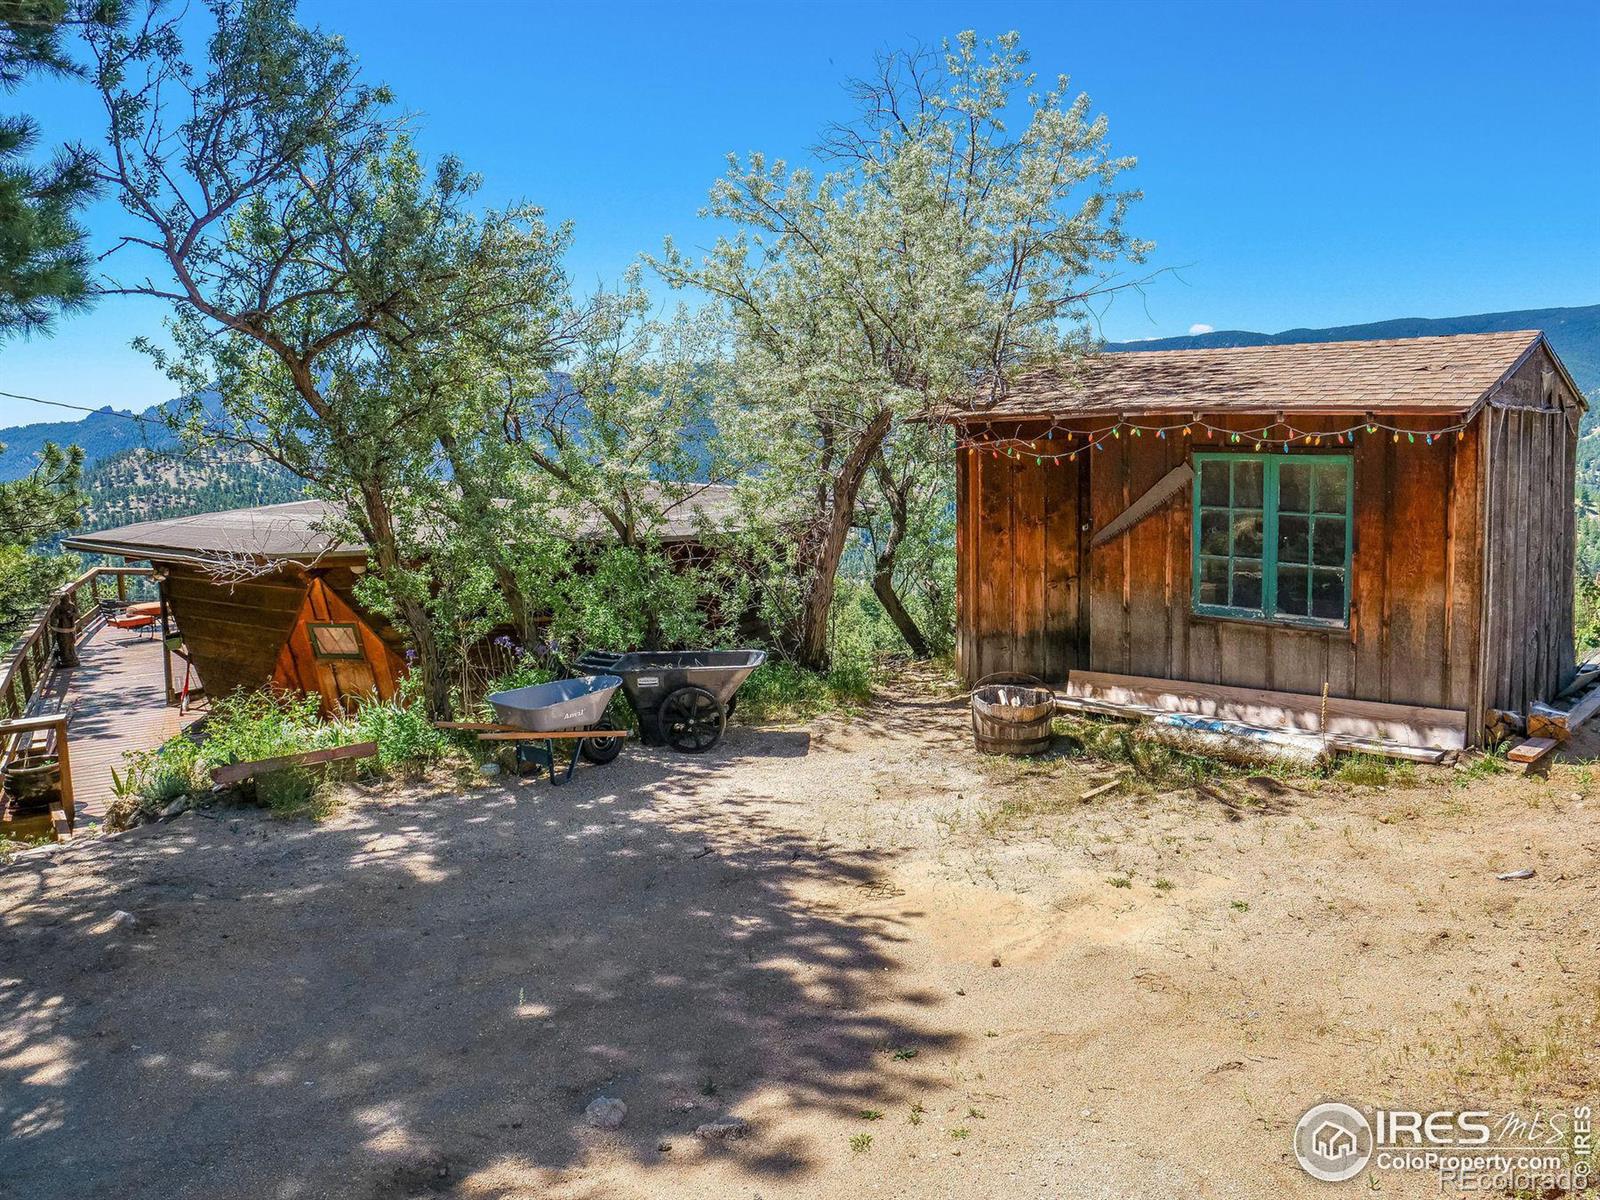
[(883, 589), (883, 573), (413, 613), (811, 627)]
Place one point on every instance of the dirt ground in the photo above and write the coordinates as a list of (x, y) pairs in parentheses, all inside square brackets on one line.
[(912, 971)]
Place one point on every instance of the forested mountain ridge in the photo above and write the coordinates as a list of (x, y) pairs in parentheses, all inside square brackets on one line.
[(148, 485), (103, 434)]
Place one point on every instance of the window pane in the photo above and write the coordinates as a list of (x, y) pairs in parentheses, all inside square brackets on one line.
[(1247, 485), (1332, 486), (1293, 533), (1327, 546), (1247, 528), (1246, 583), (1293, 591), (1327, 595), (1294, 487), (335, 641), (1214, 532), (1214, 484), (1214, 581)]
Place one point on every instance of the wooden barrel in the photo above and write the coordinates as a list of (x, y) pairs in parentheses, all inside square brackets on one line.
[(1012, 718), (33, 788)]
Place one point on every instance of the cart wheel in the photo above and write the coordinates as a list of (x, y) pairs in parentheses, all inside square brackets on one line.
[(601, 750), (691, 720)]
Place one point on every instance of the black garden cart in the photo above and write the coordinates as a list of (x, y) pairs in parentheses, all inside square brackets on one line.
[(682, 697)]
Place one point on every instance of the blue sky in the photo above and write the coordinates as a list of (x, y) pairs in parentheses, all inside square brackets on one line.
[(1304, 164)]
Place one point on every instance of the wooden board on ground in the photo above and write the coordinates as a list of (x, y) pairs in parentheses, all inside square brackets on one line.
[(234, 772), (557, 735), (1531, 750), (1294, 712), (1382, 749)]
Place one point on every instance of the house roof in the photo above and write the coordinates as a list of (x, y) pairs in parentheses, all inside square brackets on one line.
[(305, 531), (1425, 374)]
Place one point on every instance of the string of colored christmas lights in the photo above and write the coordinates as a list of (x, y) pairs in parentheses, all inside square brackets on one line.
[(1274, 435)]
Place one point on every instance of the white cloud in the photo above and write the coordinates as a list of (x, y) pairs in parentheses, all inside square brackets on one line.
[(1197, 328)]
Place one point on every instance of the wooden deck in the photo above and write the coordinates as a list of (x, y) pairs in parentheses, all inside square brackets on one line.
[(118, 699)]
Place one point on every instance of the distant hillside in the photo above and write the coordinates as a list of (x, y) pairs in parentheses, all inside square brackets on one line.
[(143, 485), (102, 434), (1574, 332)]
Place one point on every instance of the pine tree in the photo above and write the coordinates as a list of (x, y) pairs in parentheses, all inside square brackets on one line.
[(44, 261)]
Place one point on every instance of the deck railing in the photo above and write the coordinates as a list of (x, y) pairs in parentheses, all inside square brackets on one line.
[(28, 668)]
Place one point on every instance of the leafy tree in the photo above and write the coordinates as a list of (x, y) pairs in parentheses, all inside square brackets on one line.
[(964, 222), (317, 274), (44, 263), (36, 507), (608, 449)]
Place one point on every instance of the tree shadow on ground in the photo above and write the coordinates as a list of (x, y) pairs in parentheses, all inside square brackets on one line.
[(431, 988)]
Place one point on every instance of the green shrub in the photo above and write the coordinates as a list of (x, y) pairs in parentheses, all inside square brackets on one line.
[(292, 792), (250, 726), (783, 691), (406, 737)]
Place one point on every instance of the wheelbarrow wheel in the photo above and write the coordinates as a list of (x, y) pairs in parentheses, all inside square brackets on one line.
[(601, 750), (691, 720)]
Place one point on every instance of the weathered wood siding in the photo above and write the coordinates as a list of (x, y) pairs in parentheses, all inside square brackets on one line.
[(1416, 575), (1020, 596), (252, 633), (1531, 537), (1415, 562)]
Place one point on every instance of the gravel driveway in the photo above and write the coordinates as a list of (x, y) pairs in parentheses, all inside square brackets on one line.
[(909, 971)]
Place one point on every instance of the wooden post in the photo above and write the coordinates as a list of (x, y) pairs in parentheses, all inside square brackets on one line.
[(122, 587), (166, 646), (68, 802), (65, 621)]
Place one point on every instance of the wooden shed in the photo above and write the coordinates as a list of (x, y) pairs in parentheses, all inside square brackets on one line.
[(268, 595), (1235, 533)]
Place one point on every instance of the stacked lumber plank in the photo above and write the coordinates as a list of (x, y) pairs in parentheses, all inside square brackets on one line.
[(1561, 719)]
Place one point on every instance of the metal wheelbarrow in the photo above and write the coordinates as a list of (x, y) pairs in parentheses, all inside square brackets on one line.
[(566, 710)]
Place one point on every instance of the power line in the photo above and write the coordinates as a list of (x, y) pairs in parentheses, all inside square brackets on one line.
[(126, 416)]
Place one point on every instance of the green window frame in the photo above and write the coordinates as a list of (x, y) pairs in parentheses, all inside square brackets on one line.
[(1272, 537)]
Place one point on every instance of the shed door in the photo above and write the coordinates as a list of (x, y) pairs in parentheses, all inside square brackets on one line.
[(1024, 569)]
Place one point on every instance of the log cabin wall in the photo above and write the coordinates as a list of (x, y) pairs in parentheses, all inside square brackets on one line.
[(1528, 650), (233, 631), (1416, 574)]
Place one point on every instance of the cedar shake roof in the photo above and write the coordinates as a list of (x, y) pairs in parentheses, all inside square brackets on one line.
[(302, 531), (1443, 375)]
